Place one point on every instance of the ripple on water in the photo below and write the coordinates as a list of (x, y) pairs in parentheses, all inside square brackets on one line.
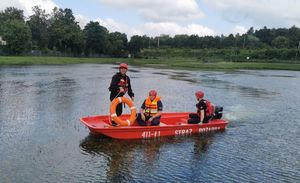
[(42, 139)]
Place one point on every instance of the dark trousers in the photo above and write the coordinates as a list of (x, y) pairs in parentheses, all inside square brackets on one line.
[(141, 122), (195, 119), (119, 108)]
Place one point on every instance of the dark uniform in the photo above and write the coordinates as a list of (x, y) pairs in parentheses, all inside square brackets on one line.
[(119, 80), (195, 117)]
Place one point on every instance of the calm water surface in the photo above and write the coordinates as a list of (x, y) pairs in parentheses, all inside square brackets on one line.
[(42, 140)]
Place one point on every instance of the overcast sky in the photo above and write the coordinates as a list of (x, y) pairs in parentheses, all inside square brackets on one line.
[(156, 17)]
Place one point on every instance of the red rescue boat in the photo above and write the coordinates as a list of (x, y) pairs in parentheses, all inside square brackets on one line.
[(172, 124)]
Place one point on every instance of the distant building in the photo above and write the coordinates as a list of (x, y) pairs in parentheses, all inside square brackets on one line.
[(2, 42)]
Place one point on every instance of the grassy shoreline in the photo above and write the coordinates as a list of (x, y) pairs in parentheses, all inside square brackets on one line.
[(174, 63)]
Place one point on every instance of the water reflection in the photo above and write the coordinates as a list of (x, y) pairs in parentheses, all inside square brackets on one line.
[(121, 156), (152, 155), (216, 81), (39, 127), (283, 74)]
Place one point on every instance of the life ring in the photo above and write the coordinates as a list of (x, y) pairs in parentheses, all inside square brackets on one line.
[(113, 113)]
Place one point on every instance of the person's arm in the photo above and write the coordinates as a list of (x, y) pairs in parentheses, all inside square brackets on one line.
[(201, 108), (130, 92), (201, 116), (142, 111), (114, 84)]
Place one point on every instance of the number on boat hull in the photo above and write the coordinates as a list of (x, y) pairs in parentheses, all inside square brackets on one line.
[(179, 132), (150, 134)]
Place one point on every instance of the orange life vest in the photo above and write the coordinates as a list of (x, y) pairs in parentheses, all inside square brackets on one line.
[(151, 107)]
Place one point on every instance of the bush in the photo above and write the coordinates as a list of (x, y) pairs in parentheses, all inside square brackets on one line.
[(240, 55)]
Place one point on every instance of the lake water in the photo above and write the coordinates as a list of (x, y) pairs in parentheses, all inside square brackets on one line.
[(42, 139)]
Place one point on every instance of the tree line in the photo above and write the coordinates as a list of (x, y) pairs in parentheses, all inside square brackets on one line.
[(59, 34)]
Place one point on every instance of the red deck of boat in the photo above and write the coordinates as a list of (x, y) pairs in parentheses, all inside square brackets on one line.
[(172, 124)]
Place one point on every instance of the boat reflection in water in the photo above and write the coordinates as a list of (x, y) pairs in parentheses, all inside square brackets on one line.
[(155, 158)]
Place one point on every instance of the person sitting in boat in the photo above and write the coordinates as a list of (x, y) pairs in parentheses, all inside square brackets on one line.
[(151, 110), (120, 85), (204, 110)]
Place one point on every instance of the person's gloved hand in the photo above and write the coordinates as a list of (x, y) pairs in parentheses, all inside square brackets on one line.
[(121, 89)]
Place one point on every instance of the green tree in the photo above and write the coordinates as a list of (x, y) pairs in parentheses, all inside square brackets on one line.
[(229, 41), (148, 42), (264, 35), (280, 32), (96, 38), (209, 42), (117, 43), (250, 31), (280, 42), (17, 36), (252, 41), (164, 41), (180, 41), (135, 44), (10, 13), (65, 33), (294, 36), (193, 41), (239, 40), (39, 24), (14, 31)]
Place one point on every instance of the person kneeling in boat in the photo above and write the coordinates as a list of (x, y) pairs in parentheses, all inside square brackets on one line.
[(151, 110), (204, 110)]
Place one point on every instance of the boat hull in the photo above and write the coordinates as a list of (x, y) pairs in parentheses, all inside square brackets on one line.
[(172, 124)]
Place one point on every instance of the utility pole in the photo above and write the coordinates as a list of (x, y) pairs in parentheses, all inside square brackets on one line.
[(157, 42), (297, 51)]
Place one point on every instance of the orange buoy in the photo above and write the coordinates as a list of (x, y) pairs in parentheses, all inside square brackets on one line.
[(114, 116)]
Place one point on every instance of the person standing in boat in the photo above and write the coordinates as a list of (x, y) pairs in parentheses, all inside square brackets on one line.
[(151, 110), (120, 85), (202, 110)]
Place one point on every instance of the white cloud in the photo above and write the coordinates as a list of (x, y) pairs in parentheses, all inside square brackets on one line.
[(47, 5), (270, 13), (82, 20), (170, 28), (161, 11), (27, 5), (8, 3), (150, 29), (163, 15), (112, 25), (239, 29), (108, 23)]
